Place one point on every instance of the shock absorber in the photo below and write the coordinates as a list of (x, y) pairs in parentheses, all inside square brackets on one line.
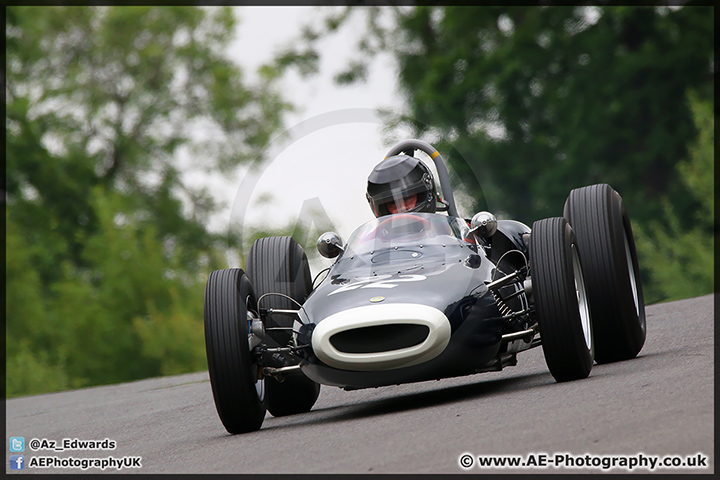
[(504, 309), (512, 280)]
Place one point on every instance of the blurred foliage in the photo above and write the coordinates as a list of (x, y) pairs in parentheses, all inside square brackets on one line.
[(110, 110), (312, 221), (531, 102), (107, 245), (679, 251)]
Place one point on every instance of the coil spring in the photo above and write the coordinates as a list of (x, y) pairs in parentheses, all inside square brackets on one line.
[(502, 306), (504, 309)]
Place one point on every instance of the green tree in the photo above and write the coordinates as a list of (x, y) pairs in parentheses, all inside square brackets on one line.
[(29, 369), (531, 102), (111, 96), (109, 111), (540, 100), (679, 251)]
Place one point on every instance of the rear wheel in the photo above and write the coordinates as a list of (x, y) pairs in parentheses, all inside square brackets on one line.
[(607, 247), (560, 300), (279, 265), (239, 395)]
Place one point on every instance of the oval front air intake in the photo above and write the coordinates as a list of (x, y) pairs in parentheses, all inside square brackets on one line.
[(380, 338)]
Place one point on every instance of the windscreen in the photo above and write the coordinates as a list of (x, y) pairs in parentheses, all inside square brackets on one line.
[(407, 229)]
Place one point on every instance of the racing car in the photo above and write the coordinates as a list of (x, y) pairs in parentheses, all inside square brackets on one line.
[(415, 296)]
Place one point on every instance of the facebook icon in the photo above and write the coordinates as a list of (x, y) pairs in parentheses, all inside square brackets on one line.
[(17, 462)]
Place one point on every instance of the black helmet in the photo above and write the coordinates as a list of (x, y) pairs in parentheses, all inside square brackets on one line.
[(395, 180)]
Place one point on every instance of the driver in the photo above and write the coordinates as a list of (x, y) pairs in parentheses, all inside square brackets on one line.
[(401, 183)]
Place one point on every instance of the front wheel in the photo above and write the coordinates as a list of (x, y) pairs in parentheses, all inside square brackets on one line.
[(239, 394), (278, 265), (560, 300), (605, 239)]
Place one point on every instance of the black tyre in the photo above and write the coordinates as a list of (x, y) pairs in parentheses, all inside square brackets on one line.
[(279, 265), (560, 300), (239, 395), (612, 277)]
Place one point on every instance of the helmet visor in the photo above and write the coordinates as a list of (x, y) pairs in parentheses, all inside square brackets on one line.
[(402, 195)]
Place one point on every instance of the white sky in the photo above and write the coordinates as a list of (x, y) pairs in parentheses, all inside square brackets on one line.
[(335, 136), (335, 141)]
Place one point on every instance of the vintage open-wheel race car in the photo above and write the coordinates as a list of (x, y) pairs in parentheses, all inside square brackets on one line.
[(423, 296)]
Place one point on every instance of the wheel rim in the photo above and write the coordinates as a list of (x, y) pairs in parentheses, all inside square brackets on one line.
[(581, 298), (260, 389), (259, 382), (631, 271)]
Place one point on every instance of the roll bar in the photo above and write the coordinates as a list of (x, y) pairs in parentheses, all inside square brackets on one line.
[(409, 147)]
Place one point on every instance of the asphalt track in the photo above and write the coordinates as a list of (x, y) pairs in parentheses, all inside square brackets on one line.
[(659, 404)]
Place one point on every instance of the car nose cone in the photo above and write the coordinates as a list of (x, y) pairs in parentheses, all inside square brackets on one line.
[(381, 336)]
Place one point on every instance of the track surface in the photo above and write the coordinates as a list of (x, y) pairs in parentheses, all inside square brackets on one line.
[(661, 403)]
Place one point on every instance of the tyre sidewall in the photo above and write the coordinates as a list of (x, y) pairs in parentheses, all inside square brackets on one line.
[(558, 312), (619, 329), (232, 373)]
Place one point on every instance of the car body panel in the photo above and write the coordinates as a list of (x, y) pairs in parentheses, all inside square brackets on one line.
[(418, 267)]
